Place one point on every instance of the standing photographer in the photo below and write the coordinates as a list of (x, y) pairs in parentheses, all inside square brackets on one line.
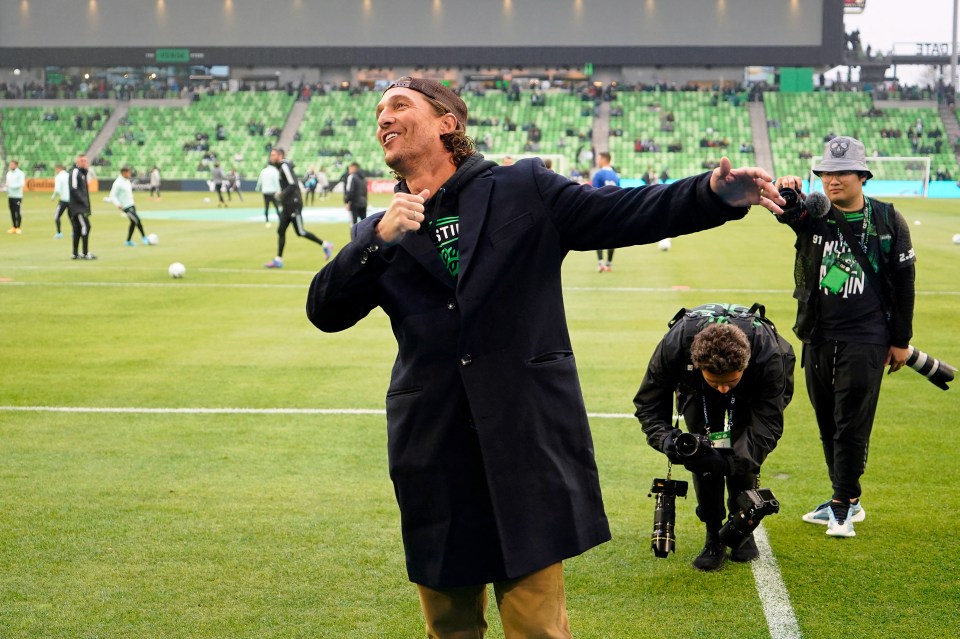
[(854, 277), (733, 377)]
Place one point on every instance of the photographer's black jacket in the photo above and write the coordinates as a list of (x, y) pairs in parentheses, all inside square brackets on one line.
[(761, 396), (896, 273)]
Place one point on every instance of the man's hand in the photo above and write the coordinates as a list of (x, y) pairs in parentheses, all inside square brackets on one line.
[(745, 187), (788, 182), (712, 462), (669, 445), (896, 358), (404, 215)]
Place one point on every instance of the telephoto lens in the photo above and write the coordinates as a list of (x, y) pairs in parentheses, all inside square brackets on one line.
[(937, 371), (663, 540)]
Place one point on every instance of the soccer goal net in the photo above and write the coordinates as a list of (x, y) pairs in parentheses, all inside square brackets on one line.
[(892, 177)]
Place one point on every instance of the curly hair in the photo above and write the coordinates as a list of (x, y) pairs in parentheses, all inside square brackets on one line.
[(457, 142), (720, 349)]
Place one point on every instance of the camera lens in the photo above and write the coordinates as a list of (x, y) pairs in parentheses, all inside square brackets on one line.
[(791, 196), (687, 445)]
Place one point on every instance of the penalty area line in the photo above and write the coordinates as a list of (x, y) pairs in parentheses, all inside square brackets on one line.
[(781, 620)]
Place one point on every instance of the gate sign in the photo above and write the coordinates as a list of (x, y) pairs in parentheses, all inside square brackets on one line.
[(926, 49)]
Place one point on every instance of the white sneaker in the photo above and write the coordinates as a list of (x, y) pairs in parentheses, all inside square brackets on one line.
[(819, 515), (840, 522)]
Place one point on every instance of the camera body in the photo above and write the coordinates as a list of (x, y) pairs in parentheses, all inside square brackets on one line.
[(755, 504), (691, 445), (663, 540)]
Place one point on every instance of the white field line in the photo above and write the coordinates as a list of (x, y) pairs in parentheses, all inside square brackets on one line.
[(781, 620), (573, 289), (233, 411)]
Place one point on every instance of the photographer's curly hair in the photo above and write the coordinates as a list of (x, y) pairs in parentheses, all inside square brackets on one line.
[(457, 142), (720, 349)]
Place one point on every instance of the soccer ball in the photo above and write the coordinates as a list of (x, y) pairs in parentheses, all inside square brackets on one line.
[(956, 238), (206, 200), (177, 270), (152, 239), (664, 244)]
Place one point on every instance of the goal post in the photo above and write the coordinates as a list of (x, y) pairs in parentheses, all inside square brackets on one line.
[(892, 177)]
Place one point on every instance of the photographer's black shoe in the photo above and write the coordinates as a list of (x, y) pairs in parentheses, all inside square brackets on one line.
[(747, 552), (712, 556)]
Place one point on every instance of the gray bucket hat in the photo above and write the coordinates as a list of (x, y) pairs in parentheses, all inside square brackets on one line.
[(843, 153)]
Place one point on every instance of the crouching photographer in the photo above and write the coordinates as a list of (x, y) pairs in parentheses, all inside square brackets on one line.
[(732, 375)]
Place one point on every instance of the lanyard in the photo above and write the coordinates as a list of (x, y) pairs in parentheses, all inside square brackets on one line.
[(706, 419), (867, 209)]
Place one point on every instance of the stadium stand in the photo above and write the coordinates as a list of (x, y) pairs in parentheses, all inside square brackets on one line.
[(799, 123), (680, 131), (41, 137), (704, 127), (336, 130), (172, 137)]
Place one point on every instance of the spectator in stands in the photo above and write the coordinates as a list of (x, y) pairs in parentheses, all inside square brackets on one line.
[(355, 193), (485, 497), (79, 209), (15, 182), (604, 176), (854, 316), (269, 185)]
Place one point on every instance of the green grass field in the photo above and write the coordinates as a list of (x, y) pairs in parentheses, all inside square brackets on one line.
[(127, 511)]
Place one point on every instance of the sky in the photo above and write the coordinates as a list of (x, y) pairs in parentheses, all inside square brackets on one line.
[(884, 23)]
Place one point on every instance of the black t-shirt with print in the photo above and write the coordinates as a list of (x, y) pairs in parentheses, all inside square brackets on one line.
[(446, 237), (855, 313)]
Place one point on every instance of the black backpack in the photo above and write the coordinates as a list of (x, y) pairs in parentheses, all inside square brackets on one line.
[(750, 320)]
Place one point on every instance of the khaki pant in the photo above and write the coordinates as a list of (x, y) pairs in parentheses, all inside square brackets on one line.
[(531, 607)]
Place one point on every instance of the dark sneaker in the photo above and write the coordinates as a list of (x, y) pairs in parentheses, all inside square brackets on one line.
[(712, 556), (747, 552)]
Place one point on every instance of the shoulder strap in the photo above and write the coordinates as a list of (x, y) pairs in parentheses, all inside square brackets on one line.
[(861, 257)]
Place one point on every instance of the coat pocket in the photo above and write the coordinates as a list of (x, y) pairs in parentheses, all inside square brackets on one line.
[(514, 226), (550, 357)]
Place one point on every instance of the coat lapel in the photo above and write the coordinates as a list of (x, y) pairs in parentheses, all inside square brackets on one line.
[(474, 202), (421, 248)]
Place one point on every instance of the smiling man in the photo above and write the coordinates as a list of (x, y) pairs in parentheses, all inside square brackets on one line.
[(489, 446), (854, 277), (732, 375)]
